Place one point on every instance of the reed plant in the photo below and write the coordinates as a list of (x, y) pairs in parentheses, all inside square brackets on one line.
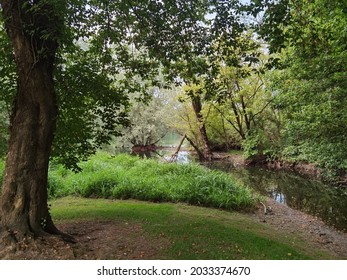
[(127, 177)]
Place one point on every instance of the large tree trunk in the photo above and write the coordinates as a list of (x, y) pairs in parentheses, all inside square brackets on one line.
[(24, 191)]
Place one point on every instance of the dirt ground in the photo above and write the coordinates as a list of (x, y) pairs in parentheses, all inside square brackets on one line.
[(111, 240), (314, 231), (96, 240)]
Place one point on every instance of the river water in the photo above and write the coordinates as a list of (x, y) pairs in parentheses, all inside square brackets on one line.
[(299, 192), (327, 202)]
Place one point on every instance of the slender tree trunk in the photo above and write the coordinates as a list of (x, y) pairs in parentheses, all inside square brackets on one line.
[(24, 195), (245, 114), (238, 120), (196, 148), (225, 135), (197, 106), (175, 154)]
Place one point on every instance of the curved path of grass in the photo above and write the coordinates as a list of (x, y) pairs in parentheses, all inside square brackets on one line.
[(191, 232)]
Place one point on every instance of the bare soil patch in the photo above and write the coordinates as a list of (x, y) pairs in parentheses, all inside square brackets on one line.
[(95, 240), (110, 240)]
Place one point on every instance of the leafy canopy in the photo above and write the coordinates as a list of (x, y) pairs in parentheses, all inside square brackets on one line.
[(311, 87), (108, 51)]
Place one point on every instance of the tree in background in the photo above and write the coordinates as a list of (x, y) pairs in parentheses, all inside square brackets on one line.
[(311, 87), (226, 76), (238, 89), (233, 91), (147, 126), (180, 117), (202, 146)]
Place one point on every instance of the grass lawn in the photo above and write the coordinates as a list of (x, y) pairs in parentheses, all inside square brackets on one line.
[(191, 232)]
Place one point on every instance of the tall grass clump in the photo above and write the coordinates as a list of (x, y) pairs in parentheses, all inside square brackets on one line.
[(124, 177)]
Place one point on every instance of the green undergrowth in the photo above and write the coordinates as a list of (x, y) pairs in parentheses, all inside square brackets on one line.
[(127, 177), (190, 232), (2, 169)]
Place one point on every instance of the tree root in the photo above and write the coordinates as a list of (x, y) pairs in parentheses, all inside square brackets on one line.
[(52, 229), (9, 237), (66, 237), (13, 246)]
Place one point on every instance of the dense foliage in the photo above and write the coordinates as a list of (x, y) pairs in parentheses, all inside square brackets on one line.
[(310, 88), (147, 125)]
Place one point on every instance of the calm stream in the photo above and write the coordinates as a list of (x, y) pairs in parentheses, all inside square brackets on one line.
[(310, 196), (326, 202)]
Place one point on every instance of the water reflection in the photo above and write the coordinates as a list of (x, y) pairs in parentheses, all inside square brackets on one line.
[(182, 157), (313, 197), (279, 197)]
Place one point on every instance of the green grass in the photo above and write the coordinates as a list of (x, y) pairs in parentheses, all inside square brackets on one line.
[(127, 177), (193, 232)]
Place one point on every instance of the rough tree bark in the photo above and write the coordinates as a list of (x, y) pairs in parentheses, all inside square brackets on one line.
[(24, 208)]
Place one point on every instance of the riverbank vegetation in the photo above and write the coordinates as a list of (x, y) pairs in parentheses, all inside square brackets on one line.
[(126, 177)]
